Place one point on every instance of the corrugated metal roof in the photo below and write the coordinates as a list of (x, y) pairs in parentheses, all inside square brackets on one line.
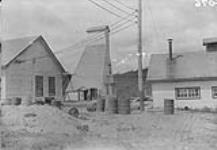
[(90, 69), (12, 47), (189, 65)]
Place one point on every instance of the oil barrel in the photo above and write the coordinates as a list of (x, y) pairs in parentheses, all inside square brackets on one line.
[(111, 104), (168, 106), (124, 106), (100, 104)]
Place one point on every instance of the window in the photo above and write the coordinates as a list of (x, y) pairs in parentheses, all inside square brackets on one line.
[(38, 86), (214, 91), (188, 93), (51, 86)]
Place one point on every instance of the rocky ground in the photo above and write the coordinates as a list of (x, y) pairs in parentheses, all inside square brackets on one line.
[(55, 130)]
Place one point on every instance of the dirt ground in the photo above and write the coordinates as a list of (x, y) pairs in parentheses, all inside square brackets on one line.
[(138, 131)]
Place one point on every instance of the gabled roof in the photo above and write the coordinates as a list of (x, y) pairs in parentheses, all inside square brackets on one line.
[(185, 66), (90, 69), (14, 47)]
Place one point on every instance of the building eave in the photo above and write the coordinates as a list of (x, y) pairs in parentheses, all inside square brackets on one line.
[(20, 53), (182, 79), (47, 48)]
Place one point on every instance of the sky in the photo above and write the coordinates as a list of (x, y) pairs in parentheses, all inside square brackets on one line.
[(64, 22)]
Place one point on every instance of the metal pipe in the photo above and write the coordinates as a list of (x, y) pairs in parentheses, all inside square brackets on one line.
[(170, 49)]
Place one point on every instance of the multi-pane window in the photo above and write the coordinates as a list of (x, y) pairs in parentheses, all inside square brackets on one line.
[(38, 86), (188, 93), (214, 91), (51, 86)]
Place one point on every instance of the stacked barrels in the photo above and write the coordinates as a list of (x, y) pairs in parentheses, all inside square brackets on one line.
[(57, 104), (7, 101), (16, 101), (27, 101), (100, 107), (111, 104), (168, 106), (124, 106), (115, 105), (12, 101)]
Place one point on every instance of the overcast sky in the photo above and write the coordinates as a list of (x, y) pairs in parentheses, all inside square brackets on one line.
[(63, 22)]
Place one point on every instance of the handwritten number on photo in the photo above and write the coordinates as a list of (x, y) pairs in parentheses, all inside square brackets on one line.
[(204, 3)]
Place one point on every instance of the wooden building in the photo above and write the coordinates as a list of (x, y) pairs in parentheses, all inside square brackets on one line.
[(190, 78), (31, 70)]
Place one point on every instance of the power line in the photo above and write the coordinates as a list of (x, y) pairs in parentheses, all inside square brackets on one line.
[(124, 18), (109, 11), (90, 39), (41, 57), (105, 9), (124, 28), (117, 31), (114, 30), (100, 34), (113, 5), (114, 27), (95, 39), (121, 3), (152, 17), (124, 23)]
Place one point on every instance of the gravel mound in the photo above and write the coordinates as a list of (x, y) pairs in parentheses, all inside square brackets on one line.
[(39, 119)]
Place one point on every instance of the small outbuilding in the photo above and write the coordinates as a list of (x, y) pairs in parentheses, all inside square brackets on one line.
[(90, 75)]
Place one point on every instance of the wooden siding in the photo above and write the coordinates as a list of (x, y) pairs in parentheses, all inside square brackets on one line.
[(163, 91), (20, 74)]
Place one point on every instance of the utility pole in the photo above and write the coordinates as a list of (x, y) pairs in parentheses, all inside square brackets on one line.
[(108, 62), (0, 68), (140, 69)]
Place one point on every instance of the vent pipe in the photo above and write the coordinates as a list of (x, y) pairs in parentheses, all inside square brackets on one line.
[(170, 49)]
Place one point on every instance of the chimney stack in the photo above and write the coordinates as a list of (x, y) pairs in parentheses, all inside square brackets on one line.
[(170, 49)]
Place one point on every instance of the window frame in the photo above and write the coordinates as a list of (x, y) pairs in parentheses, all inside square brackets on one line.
[(36, 87), (187, 92), (214, 97), (50, 94)]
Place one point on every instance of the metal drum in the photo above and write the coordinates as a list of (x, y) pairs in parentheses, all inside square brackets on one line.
[(100, 104), (111, 104), (123, 106), (57, 104), (27, 101), (168, 106), (7, 101), (16, 101)]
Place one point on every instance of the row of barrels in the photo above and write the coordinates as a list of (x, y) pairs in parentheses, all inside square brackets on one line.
[(16, 101), (27, 101), (112, 105)]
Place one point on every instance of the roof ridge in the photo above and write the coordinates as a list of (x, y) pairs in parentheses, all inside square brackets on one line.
[(185, 52), (21, 37), (190, 65), (17, 46)]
